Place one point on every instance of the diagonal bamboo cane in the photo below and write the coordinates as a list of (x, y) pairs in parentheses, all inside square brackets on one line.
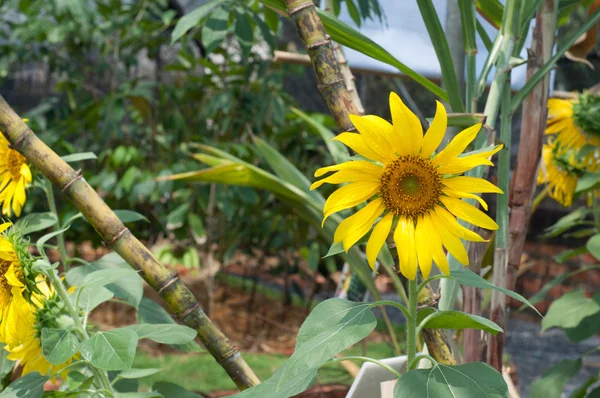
[(116, 236)]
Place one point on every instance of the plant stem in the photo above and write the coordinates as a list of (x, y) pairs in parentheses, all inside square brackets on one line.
[(366, 359), (411, 323), (60, 238), (101, 375)]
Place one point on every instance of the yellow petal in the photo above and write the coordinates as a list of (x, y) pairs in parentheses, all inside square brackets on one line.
[(26, 172), (457, 145), (349, 196), (471, 185), (12, 277), (407, 126), (437, 129), (378, 237), (461, 164), (423, 250), (377, 133), (452, 225), (452, 243), (435, 244), (357, 143), (4, 226), (351, 222), (342, 177), (359, 165), (363, 222), (469, 213), (404, 237), (463, 195)]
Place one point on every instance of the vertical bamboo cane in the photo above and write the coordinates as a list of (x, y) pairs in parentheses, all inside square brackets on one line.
[(116, 236)]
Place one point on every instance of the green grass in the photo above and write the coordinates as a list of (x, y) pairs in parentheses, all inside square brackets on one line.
[(200, 372)]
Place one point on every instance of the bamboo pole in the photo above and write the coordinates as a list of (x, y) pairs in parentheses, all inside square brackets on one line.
[(524, 176), (331, 83), (436, 339), (116, 236)]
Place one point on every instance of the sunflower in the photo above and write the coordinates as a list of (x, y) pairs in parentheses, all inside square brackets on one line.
[(44, 311), (574, 123), (410, 186), (12, 283), (15, 177)]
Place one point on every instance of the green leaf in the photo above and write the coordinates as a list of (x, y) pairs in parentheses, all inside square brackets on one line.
[(553, 381), (353, 11), (455, 320), (164, 333), (440, 45), (593, 246), (191, 19), (137, 373), (588, 327), (44, 239), (173, 390), (567, 254), (581, 391), (106, 276), (349, 37), (566, 222), (587, 182), (215, 29), (111, 350), (91, 297), (338, 151), (271, 19), (469, 278), (177, 217), (29, 386), (35, 222), (150, 312), (244, 32), (127, 216), (569, 310), (59, 345), (197, 228), (140, 395), (471, 380), (493, 10), (78, 157), (279, 387)]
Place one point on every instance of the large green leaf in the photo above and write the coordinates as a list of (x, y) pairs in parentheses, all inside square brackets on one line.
[(569, 310), (349, 37), (59, 345), (173, 390), (552, 383), (215, 29), (471, 380), (29, 386), (192, 19), (593, 246), (166, 333), (455, 320), (469, 278), (111, 350), (35, 222), (588, 327)]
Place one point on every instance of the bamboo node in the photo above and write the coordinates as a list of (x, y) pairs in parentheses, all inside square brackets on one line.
[(20, 138), (301, 7), (331, 83), (319, 43), (185, 313), (116, 237), (77, 176)]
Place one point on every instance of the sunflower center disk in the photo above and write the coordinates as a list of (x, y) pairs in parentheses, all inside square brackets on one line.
[(4, 285), (15, 161), (410, 186)]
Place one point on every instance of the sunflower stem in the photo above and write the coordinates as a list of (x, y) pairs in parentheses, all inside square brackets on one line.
[(60, 237), (100, 375), (411, 323)]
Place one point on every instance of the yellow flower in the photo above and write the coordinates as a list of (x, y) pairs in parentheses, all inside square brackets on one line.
[(15, 177), (411, 186), (562, 122), (40, 314)]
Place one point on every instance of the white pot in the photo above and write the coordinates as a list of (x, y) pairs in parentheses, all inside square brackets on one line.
[(368, 382)]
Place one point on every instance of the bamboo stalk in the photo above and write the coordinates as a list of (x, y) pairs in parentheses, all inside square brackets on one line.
[(436, 340), (331, 83), (116, 236)]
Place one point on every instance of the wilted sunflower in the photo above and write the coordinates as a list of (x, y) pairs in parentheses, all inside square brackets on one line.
[(574, 122), (44, 311), (409, 185), (15, 177)]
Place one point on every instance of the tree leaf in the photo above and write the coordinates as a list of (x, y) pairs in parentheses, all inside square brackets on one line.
[(471, 380), (569, 310), (111, 350), (552, 383), (215, 29), (31, 386), (567, 222), (191, 19), (127, 216), (456, 320), (78, 157), (593, 246), (35, 222), (338, 151), (469, 278), (137, 373), (588, 327), (59, 345), (164, 333)]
